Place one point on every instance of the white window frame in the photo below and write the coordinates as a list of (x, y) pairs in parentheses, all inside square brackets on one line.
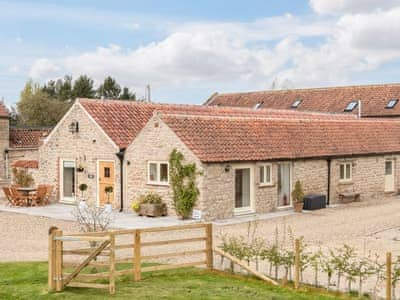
[(158, 181), (246, 209), (264, 167), (346, 179)]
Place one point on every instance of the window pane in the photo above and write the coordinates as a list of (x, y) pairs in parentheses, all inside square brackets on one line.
[(164, 172), (107, 172), (262, 174), (348, 170), (153, 172), (388, 168), (268, 174), (341, 171)]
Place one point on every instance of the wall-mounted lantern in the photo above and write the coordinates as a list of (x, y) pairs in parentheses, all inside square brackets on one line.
[(74, 127), (227, 168)]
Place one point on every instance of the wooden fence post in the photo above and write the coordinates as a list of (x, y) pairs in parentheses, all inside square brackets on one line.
[(388, 276), (59, 261), (112, 264), (137, 258), (52, 259), (209, 247), (297, 264)]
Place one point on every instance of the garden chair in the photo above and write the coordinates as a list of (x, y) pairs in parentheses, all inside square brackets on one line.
[(7, 193), (48, 194), (38, 198), (17, 198)]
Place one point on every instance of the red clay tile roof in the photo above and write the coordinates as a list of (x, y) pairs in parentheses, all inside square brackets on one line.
[(3, 110), (222, 139), (374, 99), (123, 120), (31, 164), (27, 137)]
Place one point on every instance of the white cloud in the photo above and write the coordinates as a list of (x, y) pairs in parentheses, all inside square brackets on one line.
[(44, 68), (308, 51), (351, 6)]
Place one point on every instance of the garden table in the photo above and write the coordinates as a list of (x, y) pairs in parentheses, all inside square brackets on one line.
[(25, 191)]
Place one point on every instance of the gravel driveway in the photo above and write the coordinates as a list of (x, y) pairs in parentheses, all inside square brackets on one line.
[(371, 225)]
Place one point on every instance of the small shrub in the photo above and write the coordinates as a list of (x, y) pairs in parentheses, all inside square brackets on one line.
[(83, 187), (298, 193)]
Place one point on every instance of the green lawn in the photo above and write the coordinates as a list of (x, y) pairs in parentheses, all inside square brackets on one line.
[(29, 281)]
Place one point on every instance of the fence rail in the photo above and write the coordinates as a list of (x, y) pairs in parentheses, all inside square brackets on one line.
[(103, 244)]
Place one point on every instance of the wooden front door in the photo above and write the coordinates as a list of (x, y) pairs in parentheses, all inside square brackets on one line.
[(106, 177)]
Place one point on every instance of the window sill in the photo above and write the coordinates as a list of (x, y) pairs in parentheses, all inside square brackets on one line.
[(158, 184), (263, 185), (346, 182), (243, 211)]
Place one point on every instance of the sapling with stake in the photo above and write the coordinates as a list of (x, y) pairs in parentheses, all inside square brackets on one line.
[(328, 268), (316, 264)]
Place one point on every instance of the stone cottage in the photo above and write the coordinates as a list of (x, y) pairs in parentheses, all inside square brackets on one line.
[(251, 162), (250, 158)]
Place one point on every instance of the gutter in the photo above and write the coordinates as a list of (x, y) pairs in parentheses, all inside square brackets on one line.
[(328, 196), (120, 156)]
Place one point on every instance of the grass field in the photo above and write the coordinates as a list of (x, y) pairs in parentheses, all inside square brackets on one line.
[(29, 281)]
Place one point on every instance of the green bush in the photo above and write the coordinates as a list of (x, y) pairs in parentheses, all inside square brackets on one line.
[(298, 193), (183, 183), (150, 198)]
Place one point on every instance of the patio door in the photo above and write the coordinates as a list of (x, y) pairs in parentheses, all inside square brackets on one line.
[(67, 184), (284, 184), (389, 176), (106, 178), (243, 189)]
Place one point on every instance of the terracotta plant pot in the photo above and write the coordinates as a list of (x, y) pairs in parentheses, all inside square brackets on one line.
[(298, 206)]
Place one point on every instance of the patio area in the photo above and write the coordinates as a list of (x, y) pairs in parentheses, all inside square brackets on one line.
[(122, 219)]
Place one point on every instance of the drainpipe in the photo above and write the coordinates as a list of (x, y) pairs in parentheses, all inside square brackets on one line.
[(121, 155), (329, 182), (6, 166)]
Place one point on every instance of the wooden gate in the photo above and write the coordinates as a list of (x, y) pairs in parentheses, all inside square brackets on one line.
[(103, 244)]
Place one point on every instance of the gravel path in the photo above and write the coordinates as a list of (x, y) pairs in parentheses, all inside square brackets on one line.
[(371, 225)]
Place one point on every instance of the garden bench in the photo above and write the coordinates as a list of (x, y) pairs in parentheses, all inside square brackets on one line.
[(349, 197)]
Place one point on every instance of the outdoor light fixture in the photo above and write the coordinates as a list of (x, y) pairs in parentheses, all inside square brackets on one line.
[(74, 127), (227, 168)]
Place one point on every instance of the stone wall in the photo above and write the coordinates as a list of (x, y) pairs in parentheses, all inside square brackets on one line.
[(4, 143), (86, 147), (154, 143)]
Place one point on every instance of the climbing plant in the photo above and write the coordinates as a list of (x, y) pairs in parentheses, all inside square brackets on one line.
[(183, 183)]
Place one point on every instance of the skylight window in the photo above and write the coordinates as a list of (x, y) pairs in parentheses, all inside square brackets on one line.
[(296, 103), (351, 106), (392, 103), (258, 105)]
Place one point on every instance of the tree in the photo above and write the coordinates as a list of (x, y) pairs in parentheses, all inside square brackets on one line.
[(110, 89), (83, 87), (61, 89), (127, 94), (37, 108)]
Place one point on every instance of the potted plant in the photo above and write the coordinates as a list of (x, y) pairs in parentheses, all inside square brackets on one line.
[(151, 205), (298, 197), (108, 206), (82, 187)]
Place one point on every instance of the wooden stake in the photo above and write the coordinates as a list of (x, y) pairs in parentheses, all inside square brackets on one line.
[(297, 264), (136, 257), (52, 259), (388, 276), (58, 261), (209, 247), (112, 264)]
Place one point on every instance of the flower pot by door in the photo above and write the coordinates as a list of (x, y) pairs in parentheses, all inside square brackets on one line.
[(298, 207)]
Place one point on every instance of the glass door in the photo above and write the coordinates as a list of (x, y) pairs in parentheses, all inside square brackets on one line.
[(68, 181), (389, 176), (284, 185), (243, 189)]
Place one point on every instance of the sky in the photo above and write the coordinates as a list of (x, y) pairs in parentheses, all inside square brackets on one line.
[(187, 50)]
